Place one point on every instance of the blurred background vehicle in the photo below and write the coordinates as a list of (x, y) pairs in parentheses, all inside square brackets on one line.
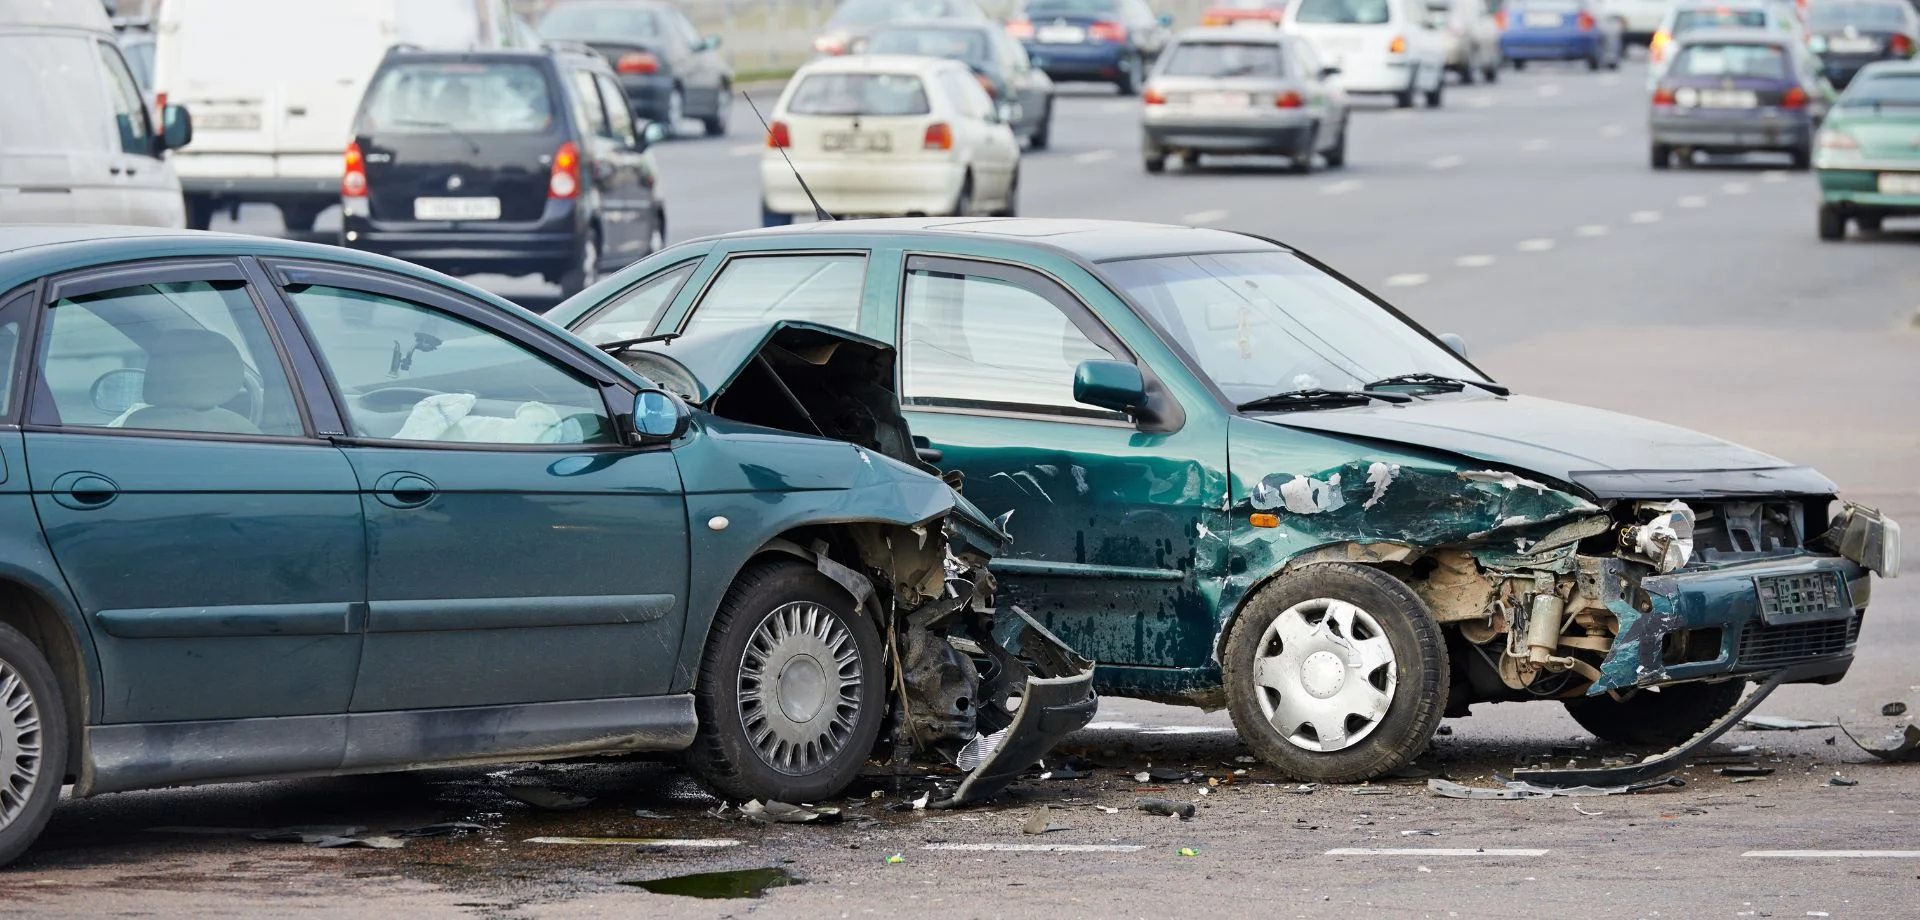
[(877, 135), (1472, 38), (1731, 91), (1095, 41), (1686, 15), (854, 20), (1023, 92), (669, 70), (1868, 160), (1245, 12), (1639, 19), (503, 162), (136, 44), (272, 115), (1241, 91), (1380, 46), (1561, 30), (78, 141), (1850, 34)]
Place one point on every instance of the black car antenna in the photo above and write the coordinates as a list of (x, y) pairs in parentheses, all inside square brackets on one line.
[(819, 213)]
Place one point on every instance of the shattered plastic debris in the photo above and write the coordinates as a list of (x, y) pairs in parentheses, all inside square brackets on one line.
[(1590, 814), (1898, 747), (1781, 724), (1422, 832), (1167, 809), (1745, 770), (371, 843), (1513, 789), (546, 799), (442, 829), (1038, 824), (896, 859), (783, 813), (710, 843), (307, 833), (1841, 781), (1895, 708), (1189, 851), (1372, 790)]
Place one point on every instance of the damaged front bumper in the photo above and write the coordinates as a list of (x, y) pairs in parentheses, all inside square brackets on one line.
[(1056, 702)]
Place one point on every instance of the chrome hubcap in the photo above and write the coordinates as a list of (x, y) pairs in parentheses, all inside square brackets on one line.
[(799, 688), (590, 263), (19, 744), (676, 108), (1324, 674)]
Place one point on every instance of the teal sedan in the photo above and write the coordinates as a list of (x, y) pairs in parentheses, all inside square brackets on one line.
[(288, 510), (1868, 160), (1235, 479)]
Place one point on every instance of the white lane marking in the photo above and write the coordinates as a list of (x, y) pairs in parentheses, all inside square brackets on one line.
[(1035, 847), (1411, 279), (1438, 851), (1535, 245), (1774, 175), (1202, 218), (1692, 201), (1446, 162), (1473, 261), (1613, 130), (1341, 187), (1734, 188), (1644, 217), (1093, 156), (1834, 854), (1550, 89), (1187, 730), (700, 844), (743, 150), (1536, 144), (1591, 230)]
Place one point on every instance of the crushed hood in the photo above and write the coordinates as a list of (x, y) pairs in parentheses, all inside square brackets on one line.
[(1608, 454), (701, 365)]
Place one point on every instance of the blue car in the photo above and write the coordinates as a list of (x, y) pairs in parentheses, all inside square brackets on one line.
[(1560, 30), (1100, 41)]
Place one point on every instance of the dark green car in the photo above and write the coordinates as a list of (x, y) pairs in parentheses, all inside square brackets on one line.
[(1868, 159), (1233, 478), (288, 510)]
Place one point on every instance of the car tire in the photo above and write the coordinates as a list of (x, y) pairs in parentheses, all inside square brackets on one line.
[(1466, 72), (716, 124), (1520, 64), (1302, 164), (676, 112), (1276, 640), (585, 269), (1043, 135), (1492, 73), (1595, 62), (1833, 224), (1155, 163), (1661, 718), (33, 743), (1404, 99), (963, 202), (1336, 155), (199, 212), (1661, 156), (1131, 76), (1802, 157), (786, 615), (1436, 95), (1012, 206)]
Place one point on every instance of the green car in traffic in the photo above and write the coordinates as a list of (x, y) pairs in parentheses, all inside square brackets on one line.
[(1868, 159)]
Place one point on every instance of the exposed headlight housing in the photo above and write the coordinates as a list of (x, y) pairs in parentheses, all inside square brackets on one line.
[(1867, 537)]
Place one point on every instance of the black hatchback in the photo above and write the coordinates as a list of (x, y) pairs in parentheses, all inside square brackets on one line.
[(502, 162)]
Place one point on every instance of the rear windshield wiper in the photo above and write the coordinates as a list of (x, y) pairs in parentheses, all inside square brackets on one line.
[(1318, 398), (1439, 382), (446, 126), (619, 345)]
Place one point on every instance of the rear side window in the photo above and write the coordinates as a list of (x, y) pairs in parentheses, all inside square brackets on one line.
[(1221, 59), (55, 100), (1885, 89), (1350, 12), (587, 21), (1039, 9), (1687, 20), (820, 288), (860, 94), (469, 98), (1863, 15), (587, 102), (1763, 61)]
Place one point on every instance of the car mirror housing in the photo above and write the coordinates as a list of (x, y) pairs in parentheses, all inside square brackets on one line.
[(708, 43), (1166, 19), (1326, 72), (176, 129), (1454, 343), (650, 135), (658, 417), (1114, 385)]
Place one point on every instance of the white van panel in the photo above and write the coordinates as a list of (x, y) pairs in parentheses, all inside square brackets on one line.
[(58, 151)]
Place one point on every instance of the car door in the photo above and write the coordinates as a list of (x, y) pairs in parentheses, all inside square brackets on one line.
[(1030, 88), (1107, 520), (212, 540), (519, 552), (612, 169), (57, 150), (149, 193), (629, 153), (698, 65), (994, 150)]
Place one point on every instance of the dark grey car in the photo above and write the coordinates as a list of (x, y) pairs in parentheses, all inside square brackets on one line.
[(669, 71), (1242, 91), (1731, 91), (1023, 92)]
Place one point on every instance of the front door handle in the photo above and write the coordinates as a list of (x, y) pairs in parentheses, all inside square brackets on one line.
[(83, 491), (404, 490)]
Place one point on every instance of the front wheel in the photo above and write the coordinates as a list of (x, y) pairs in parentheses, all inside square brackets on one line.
[(1833, 224), (1336, 673), (716, 124), (1660, 717), (1404, 99), (33, 743), (792, 690), (1131, 76), (1439, 89), (1337, 154), (1661, 156)]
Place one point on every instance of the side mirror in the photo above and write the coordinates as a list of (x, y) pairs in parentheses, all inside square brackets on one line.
[(708, 43), (650, 135), (176, 129), (117, 391), (1166, 19), (658, 417), (1454, 343), (1326, 72), (1038, 61), (1114, 385)]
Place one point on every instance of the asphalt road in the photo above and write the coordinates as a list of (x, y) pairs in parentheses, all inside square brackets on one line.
[(1522, 216)]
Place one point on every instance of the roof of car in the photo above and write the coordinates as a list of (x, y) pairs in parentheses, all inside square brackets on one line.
[(1695, 5), (876, 63), (1236, 34), (550, 48), (1881, 68), (64, 14), (1733, 35), (951, 25), (1092, 240)]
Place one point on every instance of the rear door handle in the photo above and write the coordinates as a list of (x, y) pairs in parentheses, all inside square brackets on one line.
[(83, 491), (404, 490)]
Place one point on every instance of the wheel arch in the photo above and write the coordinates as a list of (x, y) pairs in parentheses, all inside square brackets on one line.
[(49, 624), (1388, 556)]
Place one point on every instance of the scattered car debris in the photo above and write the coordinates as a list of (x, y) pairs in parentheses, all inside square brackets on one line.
[(1302, 789), (1421, 832), (896, 859), (1895, 708), (1590, 814), (1189, 851), (1162, 775), (1184, 810), (650, 815), (1898, 747), (378, 842), (307, 833), (1444, 730), (758, 812), (1515, 789), (1374, 790), (708, 843), (442, 829), (1038, 824), (544, 798), (1745, 770), (1841, 781), (1781, 724)]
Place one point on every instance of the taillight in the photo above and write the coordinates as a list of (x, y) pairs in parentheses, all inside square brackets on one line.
[(1288, 100), (1107, 32), (1901, 45), (1500, 20), (778, 136), (353, 182), (564, 181), (830, 44), (1586, 22), (1796, 98), (986, 83), (1663, 96), (1153, 97), (939, 137), (1397, 46), (1020, 28), (637, 62), (1213, 20)]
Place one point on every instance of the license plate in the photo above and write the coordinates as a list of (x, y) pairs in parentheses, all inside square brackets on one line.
[(227, 121), (1543, 20), (1900, 183), (1221, 100), (456, 209), (1846, 45), (1795, 597), (836, 141), (1060, 35), (1728, 99)]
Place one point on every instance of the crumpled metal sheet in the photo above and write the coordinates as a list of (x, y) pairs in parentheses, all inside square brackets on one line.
[(1512, 789), (1896, 747)]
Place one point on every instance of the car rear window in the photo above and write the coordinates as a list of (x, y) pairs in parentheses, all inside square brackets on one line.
[(1225, 59), (1763, 61), (1352, 12), (867, 12), (601, 22), (1562, 7), (1884, 89), (956, 44), (1043, 8), (458, 97), (1687, 20), (860, 94), (1829, 15)]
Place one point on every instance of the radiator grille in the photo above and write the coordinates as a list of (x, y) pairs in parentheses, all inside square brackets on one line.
[(1769, 646)]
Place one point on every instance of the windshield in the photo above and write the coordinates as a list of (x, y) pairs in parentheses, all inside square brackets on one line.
[(1260, 323), (1686, 20), (868, 12), (1884, 89), (967, 45), (602, 22), (1869, 15), (429, 98), (1351, 12), (1040, 9), (1763, 61), (1222, 59), (860, 94)]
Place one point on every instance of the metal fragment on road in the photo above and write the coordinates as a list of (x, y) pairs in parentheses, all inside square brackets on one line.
[(1781, 724), (1036, 847), (1898, 747), (371, 843), (713, 843), (1167, 809), (1895, 708), (1514, 789), (546, 799)]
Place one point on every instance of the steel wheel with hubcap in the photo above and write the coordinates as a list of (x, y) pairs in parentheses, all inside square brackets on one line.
[(33, 743), (1336, 673), (676, 110), (586, 268), (791, 690), (716, 124)]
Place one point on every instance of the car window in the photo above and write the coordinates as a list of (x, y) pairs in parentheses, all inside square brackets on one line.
[(620, 117), (1763, 61), (1348, 12), (1040, 9), (1889, 89), (140, 61), (129, 105), (1717, 17), (969, 45), (587, 101), (1831, 15), (181, 356), (11, 315), (969, 340), (867, 12), (820, 288), (859, 94), (55, 103), (961, 93), (411, 373), (633, 312), (472, 98), (1225, 59), (593, 22)]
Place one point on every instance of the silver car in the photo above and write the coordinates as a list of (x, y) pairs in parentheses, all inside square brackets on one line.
[(1240, 91)]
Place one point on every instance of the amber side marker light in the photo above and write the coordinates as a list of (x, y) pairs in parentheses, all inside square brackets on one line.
[(1264, 520)]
